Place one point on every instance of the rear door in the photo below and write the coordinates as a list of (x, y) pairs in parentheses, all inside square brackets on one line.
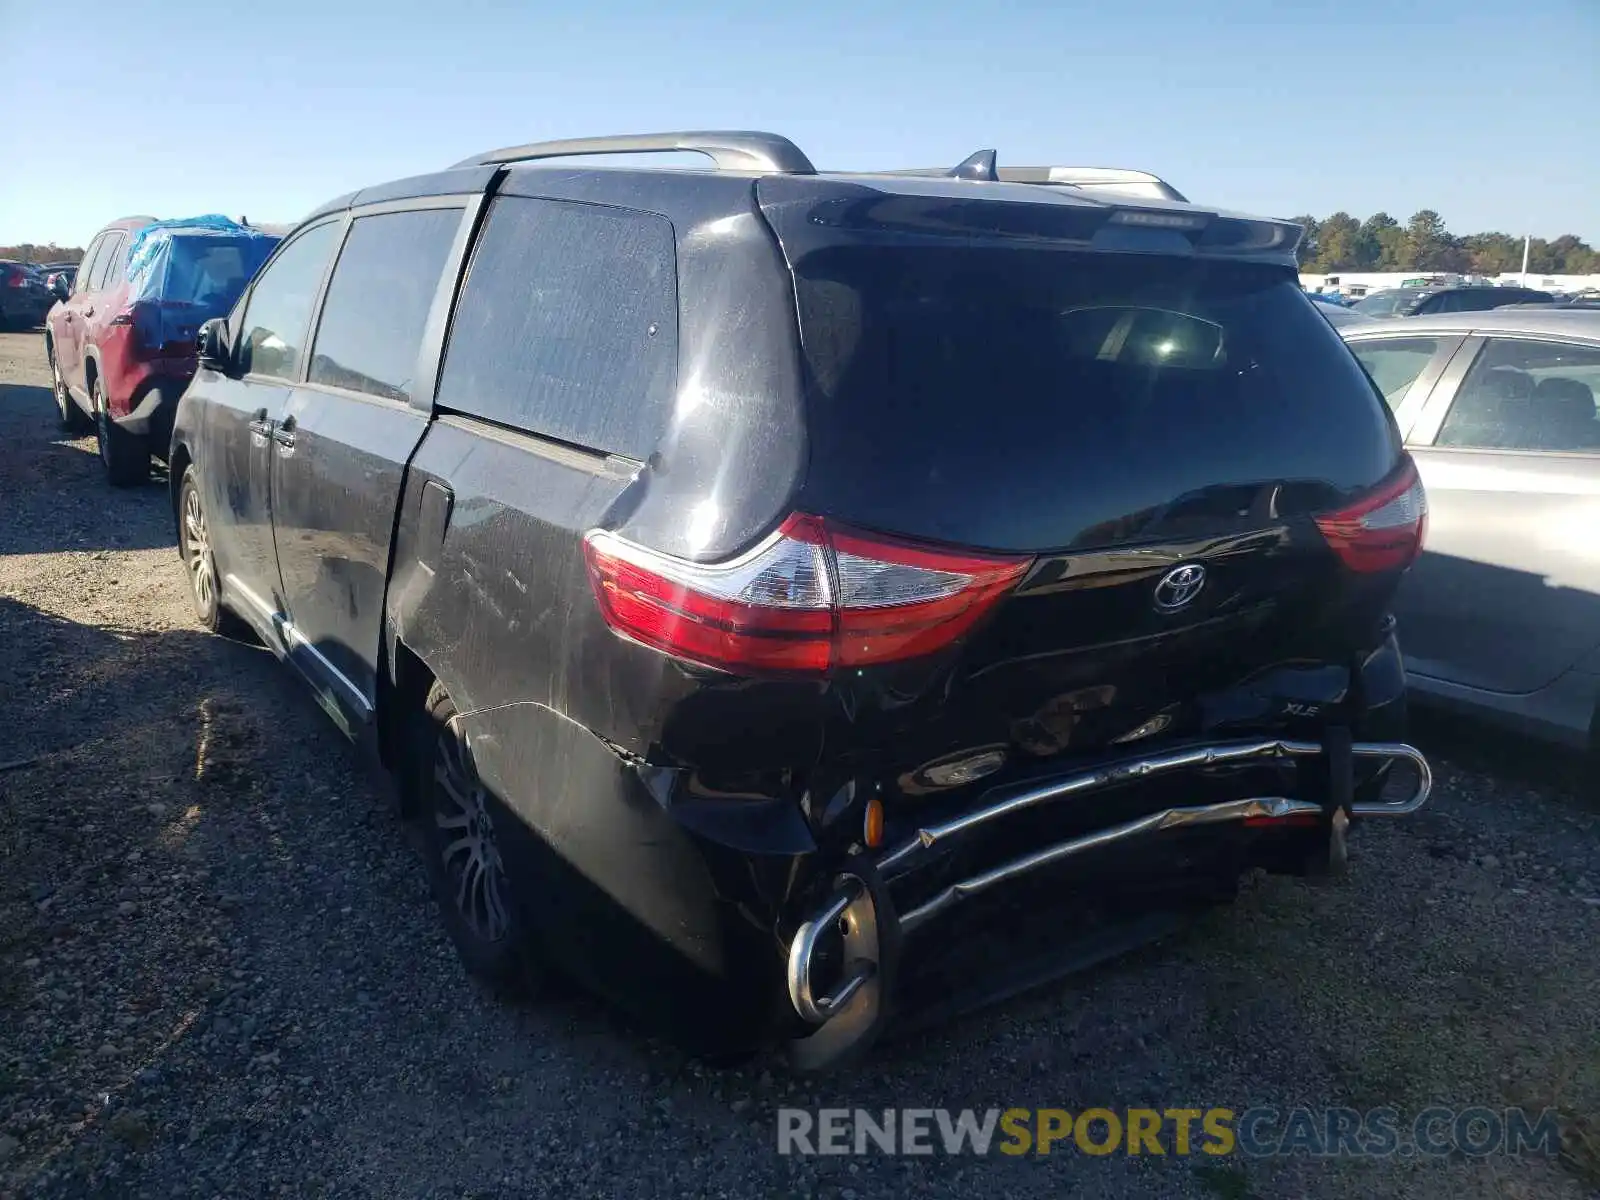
[(344, 439), (1506, 596)]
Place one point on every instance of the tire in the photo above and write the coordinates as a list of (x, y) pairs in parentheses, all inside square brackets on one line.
[(72, 418), (126, 455), (194, 547), (456, 820)]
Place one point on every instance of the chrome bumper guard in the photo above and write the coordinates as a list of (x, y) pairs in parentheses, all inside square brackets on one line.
[(851, 911)]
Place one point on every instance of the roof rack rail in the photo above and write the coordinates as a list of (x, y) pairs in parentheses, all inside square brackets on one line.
[(729, 149), (981, 166)]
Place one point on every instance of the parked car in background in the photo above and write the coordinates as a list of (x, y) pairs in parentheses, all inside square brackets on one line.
[(732, 658), (1341, 317), (61, 279), (1424, 301), (121, 340), (1501, 615), (24, 299)]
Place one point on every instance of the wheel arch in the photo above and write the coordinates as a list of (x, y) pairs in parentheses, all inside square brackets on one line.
[(176, 469), (404, 682)]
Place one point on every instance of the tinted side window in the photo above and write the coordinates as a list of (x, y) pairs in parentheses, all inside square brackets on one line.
[(116, 262), (1482, 300), (91, 261), (1527, 395), (109, 254), (1395, 363), (567, 325), (279, 309), (378, 300)]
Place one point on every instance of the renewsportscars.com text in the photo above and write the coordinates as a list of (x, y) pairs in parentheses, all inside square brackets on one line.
[(1259, 1132)]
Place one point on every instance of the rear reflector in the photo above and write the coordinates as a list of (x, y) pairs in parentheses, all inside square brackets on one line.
[(811, 598), (1291, 821), (1384, 529)]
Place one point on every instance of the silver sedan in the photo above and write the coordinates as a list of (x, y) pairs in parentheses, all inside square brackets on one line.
[(1502, 613)]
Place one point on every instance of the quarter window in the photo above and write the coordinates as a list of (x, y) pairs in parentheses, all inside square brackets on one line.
[(278, 312), (1527, 395), (90, 263), (378, 301), (1395, 363), (567, 325), (109, 255), (116, 263)]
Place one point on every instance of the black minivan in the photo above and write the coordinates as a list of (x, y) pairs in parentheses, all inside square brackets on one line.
[(795, 603)]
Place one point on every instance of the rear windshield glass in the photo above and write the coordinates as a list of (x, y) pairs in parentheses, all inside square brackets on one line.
[(212, 271), (1385, 304), (1039, 399)]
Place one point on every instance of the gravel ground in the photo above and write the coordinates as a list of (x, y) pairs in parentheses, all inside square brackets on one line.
[(221, 973)]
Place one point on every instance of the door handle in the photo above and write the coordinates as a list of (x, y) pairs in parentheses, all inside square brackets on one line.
[(259, 425), (284, 433)]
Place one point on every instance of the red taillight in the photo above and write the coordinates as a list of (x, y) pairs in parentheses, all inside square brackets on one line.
[(1384, 529), (16, 279), (812, 598)]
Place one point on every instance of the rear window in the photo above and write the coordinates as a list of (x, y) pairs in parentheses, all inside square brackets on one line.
[(212, 271), (1028, 399), (1385, 304)]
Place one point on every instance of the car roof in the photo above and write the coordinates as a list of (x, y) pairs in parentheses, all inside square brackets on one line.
[(1584, 323), (1036, 187), (1483, 287), (127, 223)]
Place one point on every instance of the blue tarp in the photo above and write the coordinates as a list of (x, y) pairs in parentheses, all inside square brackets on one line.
[(203, 260), (190, 270)]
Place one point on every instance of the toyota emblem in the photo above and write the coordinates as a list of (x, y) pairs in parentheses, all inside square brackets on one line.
[(1179, 587)]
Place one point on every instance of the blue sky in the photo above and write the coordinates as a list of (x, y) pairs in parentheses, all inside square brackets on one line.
[(1486, 110)]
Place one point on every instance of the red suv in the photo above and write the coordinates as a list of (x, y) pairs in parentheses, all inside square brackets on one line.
[(121, 340)]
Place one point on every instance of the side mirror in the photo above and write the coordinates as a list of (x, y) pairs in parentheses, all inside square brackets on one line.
[(215, 353), (59, 288)]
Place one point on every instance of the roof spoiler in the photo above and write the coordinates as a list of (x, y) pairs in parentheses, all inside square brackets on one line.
[(983, 167)]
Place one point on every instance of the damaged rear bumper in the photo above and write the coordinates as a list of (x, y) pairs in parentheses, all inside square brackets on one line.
[(842, 959)]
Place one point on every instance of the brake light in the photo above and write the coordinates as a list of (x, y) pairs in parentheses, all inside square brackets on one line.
[(812, 598), (16, 279), (1383, 530)]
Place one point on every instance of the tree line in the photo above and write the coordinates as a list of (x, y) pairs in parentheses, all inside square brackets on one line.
[(29, 253), (1336, 243), (1380, 243)]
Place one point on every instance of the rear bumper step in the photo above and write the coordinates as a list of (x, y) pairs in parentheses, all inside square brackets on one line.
[(857, 909)]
